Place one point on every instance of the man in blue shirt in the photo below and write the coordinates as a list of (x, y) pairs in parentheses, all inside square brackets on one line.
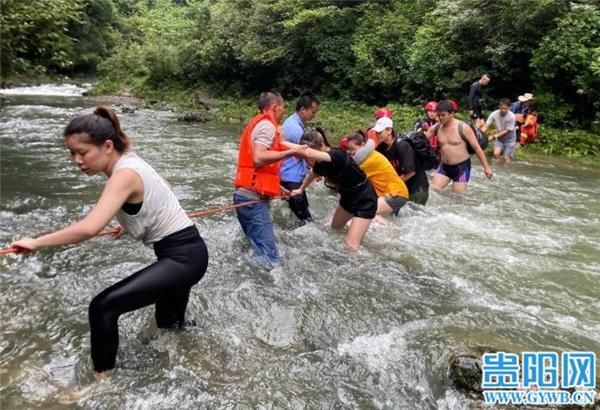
[(294, 169), (521, 106)]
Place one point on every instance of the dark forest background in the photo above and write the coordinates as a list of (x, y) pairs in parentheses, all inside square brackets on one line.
[(407, 51)]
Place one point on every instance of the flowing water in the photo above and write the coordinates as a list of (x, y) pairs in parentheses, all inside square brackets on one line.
[(514, 266)]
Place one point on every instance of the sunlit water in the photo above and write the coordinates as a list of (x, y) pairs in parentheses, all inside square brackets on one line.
[(514, 266), (46, 90)]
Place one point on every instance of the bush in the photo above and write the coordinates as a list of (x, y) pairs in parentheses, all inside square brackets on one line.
[(573, 144), (567, 64)]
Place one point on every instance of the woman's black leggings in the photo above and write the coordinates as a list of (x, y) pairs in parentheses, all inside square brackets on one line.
[(182, 261)]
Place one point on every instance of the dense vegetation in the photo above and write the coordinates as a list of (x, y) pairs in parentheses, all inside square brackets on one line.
[(375, 52)]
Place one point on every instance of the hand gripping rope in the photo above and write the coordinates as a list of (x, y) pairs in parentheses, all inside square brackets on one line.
[(195, 214)]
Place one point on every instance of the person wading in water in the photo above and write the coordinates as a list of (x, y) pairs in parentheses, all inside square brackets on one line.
[(455, 163), (147, 208)]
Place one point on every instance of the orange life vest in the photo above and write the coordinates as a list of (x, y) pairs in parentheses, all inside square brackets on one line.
[(263, 180)]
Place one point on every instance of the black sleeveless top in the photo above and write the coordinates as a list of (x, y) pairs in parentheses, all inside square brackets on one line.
[(342, 171)]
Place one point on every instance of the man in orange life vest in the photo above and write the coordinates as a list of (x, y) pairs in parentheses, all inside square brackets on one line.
[(257, 178)]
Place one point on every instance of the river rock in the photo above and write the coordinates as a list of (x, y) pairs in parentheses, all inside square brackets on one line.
[(203, 100), (193, 117), (128, 109), (465, 375)]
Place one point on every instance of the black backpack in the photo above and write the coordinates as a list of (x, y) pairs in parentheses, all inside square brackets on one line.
[(426, 155), (480, 136)]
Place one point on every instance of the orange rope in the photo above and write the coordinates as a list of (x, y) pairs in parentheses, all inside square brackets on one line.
[(196, 214), (199, 214)]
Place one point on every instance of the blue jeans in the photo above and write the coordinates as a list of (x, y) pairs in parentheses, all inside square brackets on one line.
[(257, 225)]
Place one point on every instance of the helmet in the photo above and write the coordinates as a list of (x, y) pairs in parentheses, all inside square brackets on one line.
[(430, 106), (454, 105), (384, 112)]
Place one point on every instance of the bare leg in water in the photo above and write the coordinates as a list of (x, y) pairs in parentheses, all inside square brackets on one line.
[(73, 396)]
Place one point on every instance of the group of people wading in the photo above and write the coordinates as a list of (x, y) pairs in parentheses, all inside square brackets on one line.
[(375, 173)]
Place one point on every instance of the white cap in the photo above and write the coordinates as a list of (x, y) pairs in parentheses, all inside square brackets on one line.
[(383, 123)]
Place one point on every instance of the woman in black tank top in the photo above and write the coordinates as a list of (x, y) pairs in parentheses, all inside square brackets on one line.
[(358, 200)]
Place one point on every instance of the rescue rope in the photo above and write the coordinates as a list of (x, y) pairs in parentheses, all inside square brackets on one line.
[(195, 214)]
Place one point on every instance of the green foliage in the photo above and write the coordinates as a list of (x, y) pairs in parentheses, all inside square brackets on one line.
[(572, 144), (374, 52), (34, 34), (378, 46), (567, 64), (94, 36), (462, 39), (55, 36), (149, 53)]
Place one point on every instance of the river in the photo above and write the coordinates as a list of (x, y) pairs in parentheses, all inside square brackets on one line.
[(514, 266)]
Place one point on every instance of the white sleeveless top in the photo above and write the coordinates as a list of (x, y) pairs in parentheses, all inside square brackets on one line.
[(161, 214)]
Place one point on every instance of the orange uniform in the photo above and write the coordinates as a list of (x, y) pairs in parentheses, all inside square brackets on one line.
[(528, 129), (263, 180)]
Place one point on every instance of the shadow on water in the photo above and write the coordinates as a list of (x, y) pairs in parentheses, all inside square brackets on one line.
[(514, 266)]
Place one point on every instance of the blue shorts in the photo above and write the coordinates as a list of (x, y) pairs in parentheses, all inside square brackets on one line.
[(507, 146), (460, 172)]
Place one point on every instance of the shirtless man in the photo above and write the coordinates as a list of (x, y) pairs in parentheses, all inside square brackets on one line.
[(455, 162)]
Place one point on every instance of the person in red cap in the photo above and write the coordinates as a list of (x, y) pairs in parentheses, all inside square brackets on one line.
[(430, 119), (383, 112)]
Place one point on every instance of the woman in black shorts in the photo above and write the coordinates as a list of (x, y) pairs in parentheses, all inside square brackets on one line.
[(358, 200)]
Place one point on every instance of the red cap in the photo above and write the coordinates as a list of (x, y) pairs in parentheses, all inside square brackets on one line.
[(384, 112), (430, 106), (454, 105), (343, 144)]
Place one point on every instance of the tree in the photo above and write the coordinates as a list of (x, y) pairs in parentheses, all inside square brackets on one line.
[(35, 34), (94, 35), (567, 65), (460, 40)]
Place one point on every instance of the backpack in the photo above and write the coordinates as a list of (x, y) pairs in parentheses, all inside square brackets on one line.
[(480, 136), (426, 155)]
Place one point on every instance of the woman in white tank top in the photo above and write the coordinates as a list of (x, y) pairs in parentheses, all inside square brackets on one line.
[(147, 208)]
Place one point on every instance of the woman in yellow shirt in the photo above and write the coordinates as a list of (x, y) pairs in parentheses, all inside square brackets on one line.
[(392, 193)]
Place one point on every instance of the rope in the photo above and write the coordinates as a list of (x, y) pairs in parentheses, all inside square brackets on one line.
[(195, 214), (200, 214)]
